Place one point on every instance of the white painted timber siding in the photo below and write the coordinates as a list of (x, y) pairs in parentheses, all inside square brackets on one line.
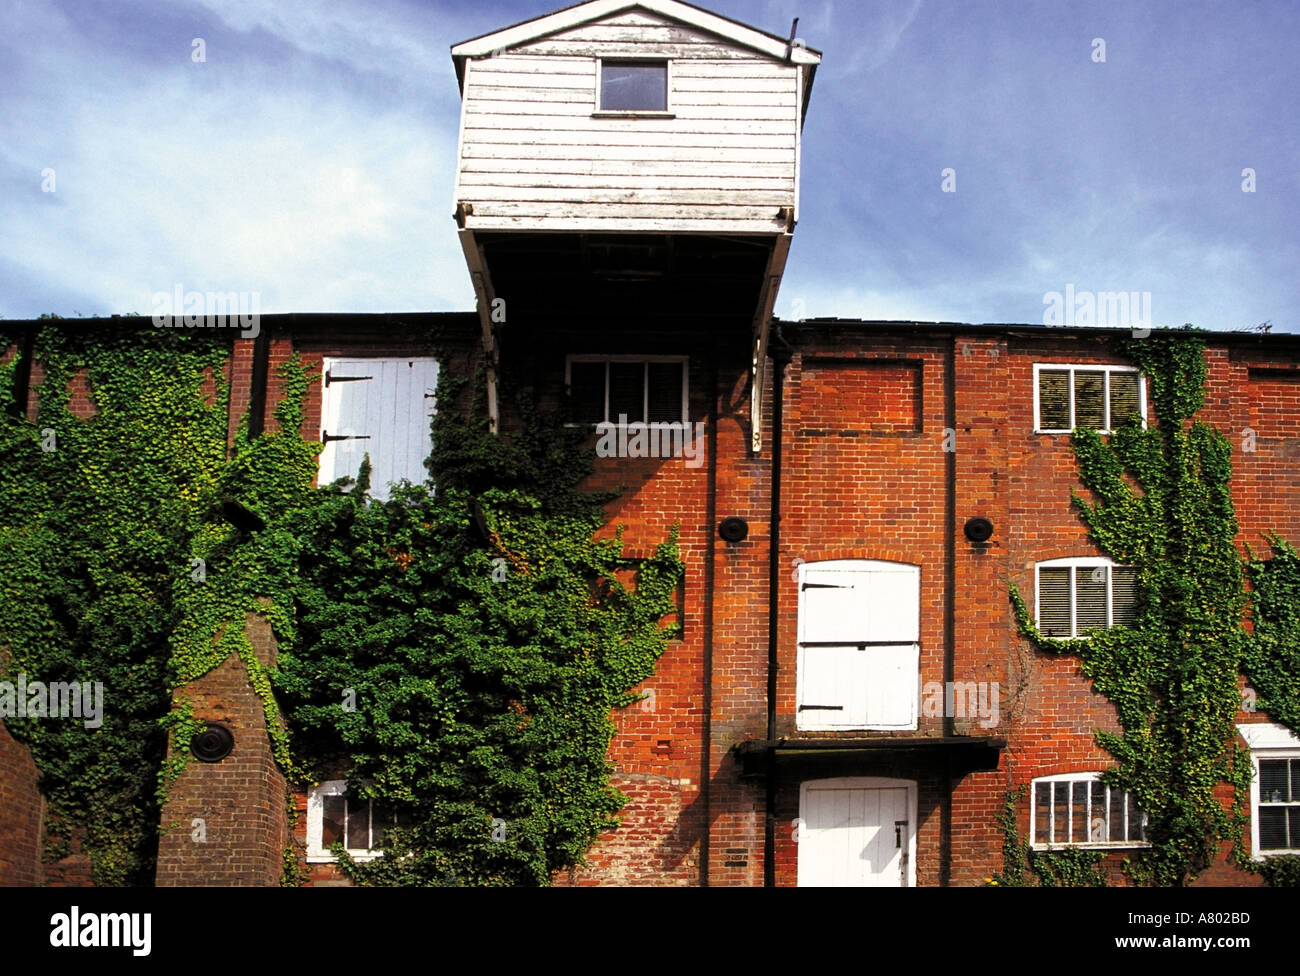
[(534, 153)]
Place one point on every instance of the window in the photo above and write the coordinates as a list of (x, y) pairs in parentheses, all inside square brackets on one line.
[(1098, 397), (380, 407), (1079, 810), (334, 816), (1076, 596), (1275, 790), (633, 86), (628, 389), (859, 650)]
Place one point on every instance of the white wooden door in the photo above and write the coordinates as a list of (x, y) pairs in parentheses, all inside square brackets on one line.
[(380, 407), (857, 835)]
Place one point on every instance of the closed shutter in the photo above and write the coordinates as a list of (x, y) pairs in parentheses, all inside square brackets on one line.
[(1054, 602), (1054, 400), (1090, 599), (859, 625), (380, 407), (1123, 398), (1089, 399), (1123, 589)]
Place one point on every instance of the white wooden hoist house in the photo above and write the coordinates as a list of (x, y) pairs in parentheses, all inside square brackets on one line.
[(622, 159)]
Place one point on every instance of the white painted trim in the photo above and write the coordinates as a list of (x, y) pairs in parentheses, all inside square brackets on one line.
[(316, 854), (1266, 741), (1091, 368), (1089, 776), (868, 783), (570, 17), (1074, 564)]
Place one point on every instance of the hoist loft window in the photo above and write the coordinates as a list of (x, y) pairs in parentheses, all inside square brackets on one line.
[(380, 407), (1100, 398), (1079, 810), (633, 86), (628, 390), (859, 645), (1076, 596)]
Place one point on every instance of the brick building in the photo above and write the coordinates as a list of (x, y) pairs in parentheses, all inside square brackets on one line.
[(849, 701)]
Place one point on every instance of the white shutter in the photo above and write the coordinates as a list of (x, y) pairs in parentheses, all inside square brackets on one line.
[(859, 624), (831, 687), (380, 407)]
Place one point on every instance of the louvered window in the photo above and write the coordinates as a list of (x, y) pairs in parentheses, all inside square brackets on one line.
[(1079, 596), (1079, 810), (627, 389), (1097, 397)]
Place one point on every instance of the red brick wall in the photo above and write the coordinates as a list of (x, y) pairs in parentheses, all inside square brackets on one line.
[(239, 802), (22, 810)]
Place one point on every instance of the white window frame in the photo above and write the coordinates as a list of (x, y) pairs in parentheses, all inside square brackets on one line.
[(1267, 740), (807, 721), (666, 112), (1089, 777), (1074, 564), (1086, 368), (645, 385), (316, 853)]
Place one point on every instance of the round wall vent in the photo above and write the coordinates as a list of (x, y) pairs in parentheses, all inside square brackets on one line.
[(979, 530), (213, 744), (734, 529)]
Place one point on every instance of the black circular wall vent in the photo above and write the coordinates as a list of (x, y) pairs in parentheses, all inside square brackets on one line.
[(734, 529), (979, 530), (213, 744)]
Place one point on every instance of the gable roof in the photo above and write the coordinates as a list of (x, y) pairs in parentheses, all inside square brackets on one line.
[(762, 42)]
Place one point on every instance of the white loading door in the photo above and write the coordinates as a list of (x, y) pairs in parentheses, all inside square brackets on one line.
[(856, 836), (380, 407)]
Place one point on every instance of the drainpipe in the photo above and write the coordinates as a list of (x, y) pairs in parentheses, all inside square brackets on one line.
[(780, 352), (710, 576), (949, 606)]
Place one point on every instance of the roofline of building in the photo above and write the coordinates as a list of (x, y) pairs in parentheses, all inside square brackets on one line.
[(733, 30)]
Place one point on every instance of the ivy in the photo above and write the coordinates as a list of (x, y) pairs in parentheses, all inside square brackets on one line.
[(1161, 502), (461, 652), (481, 630), (1273, 656)]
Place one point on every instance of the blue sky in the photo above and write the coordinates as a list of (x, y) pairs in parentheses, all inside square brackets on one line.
[(310, 158)]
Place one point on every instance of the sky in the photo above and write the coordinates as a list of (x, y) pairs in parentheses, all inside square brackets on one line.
[(962, 160)]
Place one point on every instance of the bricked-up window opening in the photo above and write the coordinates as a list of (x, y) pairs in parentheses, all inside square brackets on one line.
[(380, 407), (1279, 805), (859, 645), (1097, 397), (634, 86), (333, 816), (639, 388), (1078, 810), (1076, 596)]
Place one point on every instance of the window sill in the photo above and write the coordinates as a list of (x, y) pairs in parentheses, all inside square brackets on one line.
[(1135, 845), (359, 856), (601, 113)]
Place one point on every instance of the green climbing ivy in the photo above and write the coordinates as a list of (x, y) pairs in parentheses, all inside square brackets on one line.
[(1162, 504), (461, 652), (1065, 868), (484, 631)]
